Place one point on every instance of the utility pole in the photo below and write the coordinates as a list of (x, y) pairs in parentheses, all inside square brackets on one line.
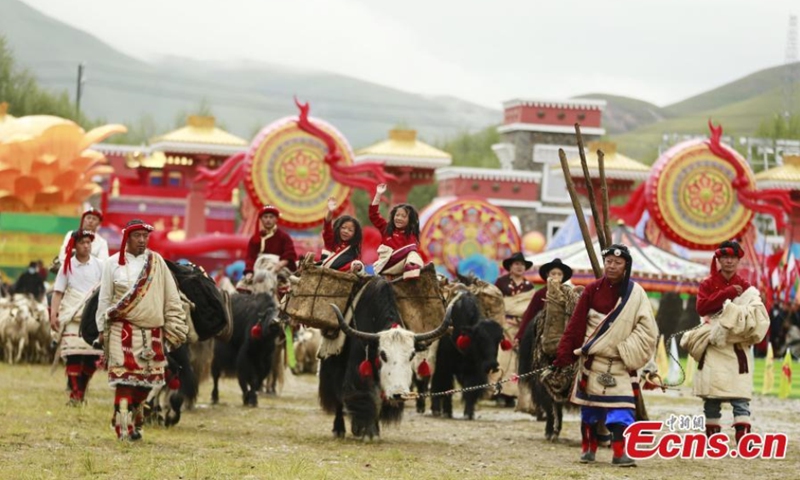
[(79, 92)]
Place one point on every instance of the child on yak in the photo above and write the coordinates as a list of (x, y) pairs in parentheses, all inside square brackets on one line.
[(342, 242), (398, 253)]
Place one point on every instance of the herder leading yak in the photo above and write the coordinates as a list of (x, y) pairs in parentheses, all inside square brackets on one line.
[(370, 375)]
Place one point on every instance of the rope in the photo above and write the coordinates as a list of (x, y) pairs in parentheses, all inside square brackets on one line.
[(662, 384), (496, 385)]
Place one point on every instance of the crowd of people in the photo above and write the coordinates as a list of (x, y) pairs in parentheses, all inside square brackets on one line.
[(611, 334)]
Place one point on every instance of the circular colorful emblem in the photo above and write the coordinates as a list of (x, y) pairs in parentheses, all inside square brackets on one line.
[(286, 168), (691, 198), (462, 228)]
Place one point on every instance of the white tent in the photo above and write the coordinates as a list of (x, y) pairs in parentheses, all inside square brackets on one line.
[(655, 269)]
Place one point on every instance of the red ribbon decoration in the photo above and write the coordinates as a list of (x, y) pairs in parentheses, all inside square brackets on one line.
[(232, 168), (350, 175), (751, 199), (225, 178), (634, 208)]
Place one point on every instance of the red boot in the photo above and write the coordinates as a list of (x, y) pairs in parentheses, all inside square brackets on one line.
[(588, 442), (742, 429), (620, 459)]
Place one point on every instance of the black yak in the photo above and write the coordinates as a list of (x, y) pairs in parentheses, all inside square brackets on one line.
[(467, 355), (248, 354)]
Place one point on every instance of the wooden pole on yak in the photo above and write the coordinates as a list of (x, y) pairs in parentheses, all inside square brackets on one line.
[(601, 166), (576, 204), (598, 224)]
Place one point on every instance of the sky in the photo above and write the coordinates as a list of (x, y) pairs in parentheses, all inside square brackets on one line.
[(483, 51)]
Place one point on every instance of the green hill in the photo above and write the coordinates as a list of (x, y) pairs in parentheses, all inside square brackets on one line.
[(751, 86), (243, 96), (246, 96), (623, 114), (737, 119)]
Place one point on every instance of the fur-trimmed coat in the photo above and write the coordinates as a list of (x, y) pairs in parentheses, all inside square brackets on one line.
[(721, 346), (619, 349)]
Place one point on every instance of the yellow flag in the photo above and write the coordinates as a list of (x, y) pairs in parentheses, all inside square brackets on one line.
[(691, 367), (769, 371), (661, 359), (786, 376)]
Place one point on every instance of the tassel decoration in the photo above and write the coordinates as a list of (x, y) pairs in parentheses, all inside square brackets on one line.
[(463, 342), (365, 369), (256, 331), (424, 370), (506, 345)]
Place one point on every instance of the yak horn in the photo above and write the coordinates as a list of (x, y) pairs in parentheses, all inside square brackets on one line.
[(350, 330), (441, 329)]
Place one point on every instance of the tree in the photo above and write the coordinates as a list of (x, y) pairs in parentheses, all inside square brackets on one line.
[(779, 127), (139, 132), (19, 88), (474, 149)]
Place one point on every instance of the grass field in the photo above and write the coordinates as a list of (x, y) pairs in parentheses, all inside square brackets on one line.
[(288, 437)]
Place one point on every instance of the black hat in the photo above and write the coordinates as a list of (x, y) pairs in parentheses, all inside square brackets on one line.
[(517, 257), (544, 270), (618, 250)]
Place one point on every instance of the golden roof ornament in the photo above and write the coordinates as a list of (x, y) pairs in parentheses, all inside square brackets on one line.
[(200, 129), (404, 143)]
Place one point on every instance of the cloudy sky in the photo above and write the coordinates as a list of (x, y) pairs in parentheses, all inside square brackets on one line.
[(483, 51)]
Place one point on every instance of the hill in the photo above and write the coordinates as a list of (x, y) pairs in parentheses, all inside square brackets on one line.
[(244, 97), (739, 118), (623, 114), (751, 86)]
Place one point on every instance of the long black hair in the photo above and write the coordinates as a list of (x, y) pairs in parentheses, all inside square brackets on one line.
[(355, 241), (413, 220)]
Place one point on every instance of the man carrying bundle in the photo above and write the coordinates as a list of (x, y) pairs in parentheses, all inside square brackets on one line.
[(734, 318)]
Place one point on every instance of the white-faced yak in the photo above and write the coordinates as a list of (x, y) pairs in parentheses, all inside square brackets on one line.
[(370, 376)]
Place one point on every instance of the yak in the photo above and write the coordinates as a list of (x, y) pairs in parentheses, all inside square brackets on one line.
[(164, 403), (209, 318), (248, 354), (370, 376), (467, 355)]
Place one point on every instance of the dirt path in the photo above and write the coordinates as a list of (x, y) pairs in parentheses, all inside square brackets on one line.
[(289, 437)]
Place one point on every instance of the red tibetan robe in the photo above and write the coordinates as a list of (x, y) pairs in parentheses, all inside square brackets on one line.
[(280, 244), (600, 295), (715, 289), (342, 250)]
